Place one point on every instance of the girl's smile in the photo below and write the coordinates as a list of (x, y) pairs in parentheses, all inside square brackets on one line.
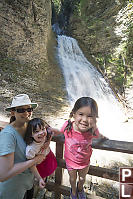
[(83, 119), (40, 134)]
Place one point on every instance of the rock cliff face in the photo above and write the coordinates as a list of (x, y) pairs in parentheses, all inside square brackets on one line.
[(27, 63), (24, 25), (27, 45)]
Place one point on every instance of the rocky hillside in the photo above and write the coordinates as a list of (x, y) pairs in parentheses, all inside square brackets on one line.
[(25, 24), (27, 54), (27, 46)]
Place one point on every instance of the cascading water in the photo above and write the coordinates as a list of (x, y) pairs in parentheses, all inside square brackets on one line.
[(82, 79)]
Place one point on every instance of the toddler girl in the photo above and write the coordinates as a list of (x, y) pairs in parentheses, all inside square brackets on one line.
[(37, 139), (78, 139)]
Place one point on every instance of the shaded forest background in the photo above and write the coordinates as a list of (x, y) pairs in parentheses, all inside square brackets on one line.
[(104, 31)]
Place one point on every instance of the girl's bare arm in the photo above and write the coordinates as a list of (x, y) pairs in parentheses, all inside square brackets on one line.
[(8, 169), (56, 131), (37, 175), (35, 172)]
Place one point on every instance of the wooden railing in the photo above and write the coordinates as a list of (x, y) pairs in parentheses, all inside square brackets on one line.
[(109, 145)]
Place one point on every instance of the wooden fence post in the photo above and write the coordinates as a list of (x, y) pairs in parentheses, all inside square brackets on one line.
[(58, 172)]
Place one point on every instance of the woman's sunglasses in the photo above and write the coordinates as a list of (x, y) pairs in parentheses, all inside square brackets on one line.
[(23, 110)]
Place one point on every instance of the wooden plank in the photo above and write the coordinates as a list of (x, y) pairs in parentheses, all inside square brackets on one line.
[(113, 145), (64, 190), (96, 171), (61, 189), (58, 172), (110, 174), (95, 197), (109, 145)]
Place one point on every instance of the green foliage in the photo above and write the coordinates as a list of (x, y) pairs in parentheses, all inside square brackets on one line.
[(118, 72), (96, 22), (118, 78), (116, 65), (57, 5), (129, 44), (64, 5)]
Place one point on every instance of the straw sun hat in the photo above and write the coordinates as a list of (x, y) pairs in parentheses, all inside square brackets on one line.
[(21, 100)]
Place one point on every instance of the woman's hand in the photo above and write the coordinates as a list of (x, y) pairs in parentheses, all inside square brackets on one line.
[(41, 183), (39, 158)]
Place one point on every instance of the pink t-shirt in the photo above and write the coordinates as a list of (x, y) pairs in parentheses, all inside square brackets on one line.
[(78, 148)]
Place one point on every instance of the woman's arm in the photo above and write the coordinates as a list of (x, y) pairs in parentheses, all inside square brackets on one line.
[(8, 169)]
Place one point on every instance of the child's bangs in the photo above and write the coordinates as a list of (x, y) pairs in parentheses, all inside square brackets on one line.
[(39, 123)]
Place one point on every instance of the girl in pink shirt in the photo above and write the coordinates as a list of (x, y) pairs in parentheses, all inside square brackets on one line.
[(78, 139)]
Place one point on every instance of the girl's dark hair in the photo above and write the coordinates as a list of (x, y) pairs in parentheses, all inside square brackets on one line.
[(82, 102), (31, 127)]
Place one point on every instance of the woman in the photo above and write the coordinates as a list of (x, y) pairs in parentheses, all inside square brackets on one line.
[(15, 175)]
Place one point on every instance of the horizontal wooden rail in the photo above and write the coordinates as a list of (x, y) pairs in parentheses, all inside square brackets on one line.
[(110, 174), (64, 190), (113, 145), (51, 186), (109, 145), (102, 144)]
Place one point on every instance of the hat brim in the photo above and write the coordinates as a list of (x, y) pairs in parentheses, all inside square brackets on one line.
[(33, 105)]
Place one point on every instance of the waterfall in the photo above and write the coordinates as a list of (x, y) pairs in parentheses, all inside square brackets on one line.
[(83, 79)]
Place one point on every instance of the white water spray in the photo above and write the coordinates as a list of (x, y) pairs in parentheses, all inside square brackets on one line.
[(83, 79)]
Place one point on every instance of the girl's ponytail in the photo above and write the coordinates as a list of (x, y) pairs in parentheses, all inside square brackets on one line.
[(69, 125)]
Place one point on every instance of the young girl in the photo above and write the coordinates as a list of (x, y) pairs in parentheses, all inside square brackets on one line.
[(78, 139), (37, 139)]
